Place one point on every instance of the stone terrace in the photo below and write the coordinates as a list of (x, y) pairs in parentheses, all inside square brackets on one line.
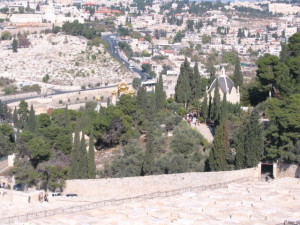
[(247, 203)]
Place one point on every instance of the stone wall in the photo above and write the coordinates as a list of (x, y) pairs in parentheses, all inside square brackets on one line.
[(132, 186), (287, 170), (19, 196)]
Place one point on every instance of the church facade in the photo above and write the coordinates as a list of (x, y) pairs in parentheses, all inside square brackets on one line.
[(226, 86)]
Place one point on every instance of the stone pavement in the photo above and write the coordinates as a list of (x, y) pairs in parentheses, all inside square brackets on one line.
[(205, 131), (247, 204)]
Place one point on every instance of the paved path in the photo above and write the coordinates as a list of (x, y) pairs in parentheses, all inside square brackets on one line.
[(205, 131)]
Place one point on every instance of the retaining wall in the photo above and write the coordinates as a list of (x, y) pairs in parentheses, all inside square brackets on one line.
[(287, 170), (132, 186)]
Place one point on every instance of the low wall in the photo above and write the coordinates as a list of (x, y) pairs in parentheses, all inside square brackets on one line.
[(19, 196), (287, 170), (132, 186)]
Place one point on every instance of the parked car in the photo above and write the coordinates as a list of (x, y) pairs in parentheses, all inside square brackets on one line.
[(71, 195), (54, 194)]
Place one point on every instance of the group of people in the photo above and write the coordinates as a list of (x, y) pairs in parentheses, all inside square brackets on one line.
[(191, 118)]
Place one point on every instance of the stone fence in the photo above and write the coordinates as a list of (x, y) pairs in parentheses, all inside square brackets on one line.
[(17, 96), (131, 186)]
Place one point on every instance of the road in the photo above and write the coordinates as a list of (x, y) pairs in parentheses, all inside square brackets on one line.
[(113, 43)]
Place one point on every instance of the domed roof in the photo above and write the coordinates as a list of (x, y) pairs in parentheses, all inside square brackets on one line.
[(122, 87), (224, 82)]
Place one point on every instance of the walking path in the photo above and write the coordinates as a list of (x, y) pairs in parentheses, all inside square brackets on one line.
[(205, 131)]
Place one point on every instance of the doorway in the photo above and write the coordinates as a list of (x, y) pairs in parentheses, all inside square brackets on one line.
[(267, 169)]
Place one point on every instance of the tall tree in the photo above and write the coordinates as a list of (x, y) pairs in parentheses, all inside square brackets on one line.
[(148, 164), (238, 75), (160, 95), (31, 123), (197, 87), (83, 159), (183, 90), (23, 114), (16, 118), (205, 107), (240, 157), (224, 108), (254, 144), (219, 156), (91, 159), (75, 165), (216, 105), (142, 100), (15, 45), (273, 76)]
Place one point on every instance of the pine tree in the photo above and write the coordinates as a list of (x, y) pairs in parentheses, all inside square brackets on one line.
[(31, 123), (205, 108), (220, 154), (83, 159), (216, 105), (75, 167), (197, 81), (160, 95), (238, 76), (91, 159)]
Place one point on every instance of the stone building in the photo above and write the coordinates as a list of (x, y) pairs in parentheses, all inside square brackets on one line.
[(226, 86)]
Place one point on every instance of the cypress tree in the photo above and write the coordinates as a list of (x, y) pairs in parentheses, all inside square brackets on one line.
[(83, 159), (183, 91), (240, 157), (148, 164), (23, 114), (224, 108), (212, 74), (220, 153), (66, 121), (205, 108), (15, 118), (152, 109), (142, 99), (160, 95), (197, 81), (216, 105), (15, 45), (238, 76), (31, 123), (75, 167), (253, 140), (209, 111), (91, 159)]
